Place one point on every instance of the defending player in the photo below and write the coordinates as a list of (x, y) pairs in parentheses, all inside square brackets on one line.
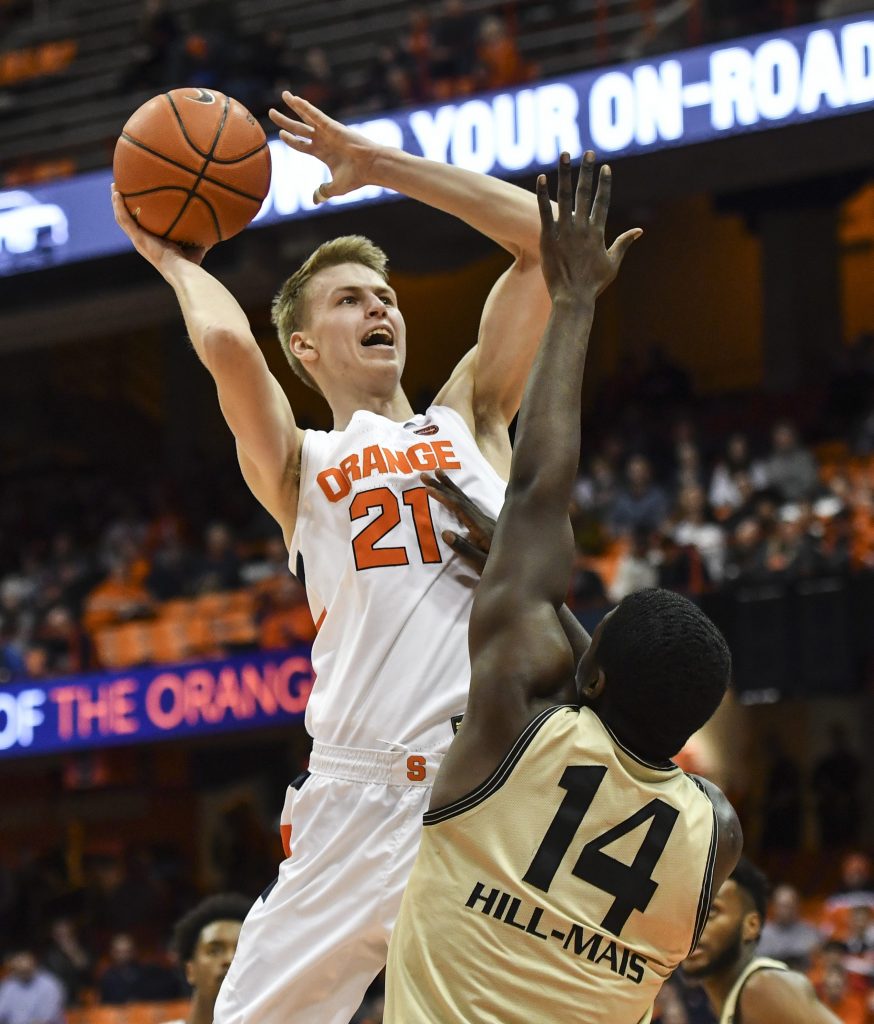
[(205, 940), (391, 599), (566, 863), (741, 987)]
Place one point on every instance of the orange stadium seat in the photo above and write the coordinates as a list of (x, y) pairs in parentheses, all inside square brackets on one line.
[(133, 1013)]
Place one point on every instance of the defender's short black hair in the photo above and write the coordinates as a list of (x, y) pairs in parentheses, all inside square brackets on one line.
[(754, 883), (667, 669), (226, 906)]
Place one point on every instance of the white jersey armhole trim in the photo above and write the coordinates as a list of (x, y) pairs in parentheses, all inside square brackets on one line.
[(294, 548), (460, 421)]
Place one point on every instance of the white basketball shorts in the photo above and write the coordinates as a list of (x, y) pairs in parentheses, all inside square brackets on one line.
[(316, 938)]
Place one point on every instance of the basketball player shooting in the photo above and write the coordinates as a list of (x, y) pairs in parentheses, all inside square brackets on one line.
[(391, 598), (566, 864)]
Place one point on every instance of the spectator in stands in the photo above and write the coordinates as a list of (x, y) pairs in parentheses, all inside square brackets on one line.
[(596, 490), (390, 82), (120, 597), (785, 935), (782, 804), (287, 620), (728, 489), (500, 62), (790, 469), (694, 529), (28, 994), (637, 568), (317, 81), (218, 568), (688, 471), (69, 959), (791, 551), (746, 560), (127, 979), (205, 941), (454, 53), (680, 567), (641, 504), (836, 781), (172, 570), (63, 640), (155, 57), (849, 1006)]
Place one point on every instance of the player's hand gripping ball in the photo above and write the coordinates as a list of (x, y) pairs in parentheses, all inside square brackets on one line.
[(193, 166)]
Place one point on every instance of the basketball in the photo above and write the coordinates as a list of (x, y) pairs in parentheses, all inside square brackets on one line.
[(193, 166)]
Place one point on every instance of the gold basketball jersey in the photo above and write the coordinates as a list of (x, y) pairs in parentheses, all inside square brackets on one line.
[(566, 887), (730, 1014)]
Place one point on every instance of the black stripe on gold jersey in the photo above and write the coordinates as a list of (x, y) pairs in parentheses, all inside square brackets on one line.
[(706, 896), (664, 766), (499, 776)]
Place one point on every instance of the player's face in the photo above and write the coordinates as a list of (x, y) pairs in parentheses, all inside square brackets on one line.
[(213, 953), (354, 328), (724, 934)]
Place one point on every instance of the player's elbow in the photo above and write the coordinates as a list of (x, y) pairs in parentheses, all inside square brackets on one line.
[(224, 351)]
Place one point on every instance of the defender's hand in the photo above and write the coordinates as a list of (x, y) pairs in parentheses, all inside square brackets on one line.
[(474, 548), (573, 255), (158, 251), (348, 155)]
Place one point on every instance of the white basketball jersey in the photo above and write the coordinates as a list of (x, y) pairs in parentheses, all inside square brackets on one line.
[(391, 599)]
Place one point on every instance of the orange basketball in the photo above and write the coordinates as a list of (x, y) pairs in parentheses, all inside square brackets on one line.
[(193, 166)]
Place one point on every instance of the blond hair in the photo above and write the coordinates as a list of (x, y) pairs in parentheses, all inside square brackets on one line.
[(289, 309)]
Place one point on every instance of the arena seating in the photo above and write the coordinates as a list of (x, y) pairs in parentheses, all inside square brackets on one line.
[(37, 128)]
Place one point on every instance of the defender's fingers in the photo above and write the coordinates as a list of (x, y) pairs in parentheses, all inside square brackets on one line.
[(602, 199), (460, 507), (622, 244), (547, 221), (565, 192), (584, 184), (464, 548)]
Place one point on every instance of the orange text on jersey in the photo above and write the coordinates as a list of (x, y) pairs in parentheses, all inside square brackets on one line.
[(422, 457)]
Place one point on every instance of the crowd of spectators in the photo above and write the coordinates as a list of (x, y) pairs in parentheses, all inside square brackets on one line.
[(442, 54), (661, 500), (106, 950)]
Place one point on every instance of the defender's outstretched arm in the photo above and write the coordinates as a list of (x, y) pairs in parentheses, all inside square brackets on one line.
[(515, 634)]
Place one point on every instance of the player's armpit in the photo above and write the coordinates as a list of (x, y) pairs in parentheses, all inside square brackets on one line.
[(782, 997)]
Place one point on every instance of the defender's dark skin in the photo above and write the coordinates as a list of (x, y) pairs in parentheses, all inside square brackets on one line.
[(527, 652)]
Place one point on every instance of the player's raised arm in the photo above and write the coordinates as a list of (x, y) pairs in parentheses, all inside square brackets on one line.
[(252, 401), (486, 390), (519, 652)]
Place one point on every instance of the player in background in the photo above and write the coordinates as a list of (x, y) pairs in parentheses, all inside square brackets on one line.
[(741, 987), (391, 598), (566, 864), (205, 940)]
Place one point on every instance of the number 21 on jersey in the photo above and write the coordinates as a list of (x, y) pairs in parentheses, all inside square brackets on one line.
[(383, 499)]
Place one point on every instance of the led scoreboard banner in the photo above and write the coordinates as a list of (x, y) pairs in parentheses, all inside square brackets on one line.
[(751, 84), (146, 704)]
